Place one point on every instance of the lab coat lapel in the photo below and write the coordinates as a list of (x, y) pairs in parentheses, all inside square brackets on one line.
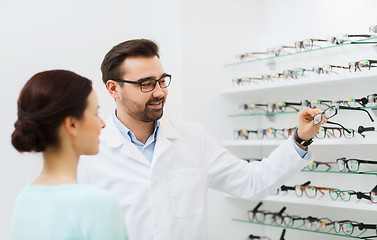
[(114, 139), (165, 137)]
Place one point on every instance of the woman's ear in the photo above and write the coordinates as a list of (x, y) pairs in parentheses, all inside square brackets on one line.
[(113, 88), (70, 124)]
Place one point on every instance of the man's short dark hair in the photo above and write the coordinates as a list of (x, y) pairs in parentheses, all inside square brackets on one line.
[(132, 48)]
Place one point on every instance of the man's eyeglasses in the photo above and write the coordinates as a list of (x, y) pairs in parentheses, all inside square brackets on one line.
[(147, 85)]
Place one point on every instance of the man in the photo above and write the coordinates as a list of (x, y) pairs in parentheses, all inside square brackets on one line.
[(161, 171)]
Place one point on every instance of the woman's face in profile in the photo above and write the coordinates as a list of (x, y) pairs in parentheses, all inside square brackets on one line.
[(87, 142)]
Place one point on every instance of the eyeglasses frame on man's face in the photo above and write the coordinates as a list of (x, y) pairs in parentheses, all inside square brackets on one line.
[(143, 81)]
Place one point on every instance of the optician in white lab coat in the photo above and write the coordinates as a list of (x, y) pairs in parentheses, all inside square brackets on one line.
[(160, 171)]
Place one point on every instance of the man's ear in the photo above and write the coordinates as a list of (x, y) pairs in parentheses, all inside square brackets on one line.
[(113, 88), (71, 125)]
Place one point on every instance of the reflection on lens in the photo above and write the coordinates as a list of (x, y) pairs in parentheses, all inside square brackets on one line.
[(364, 65), (373, 29), (298, 190), (330, 112), (279, 220), (259, 216), (298, 73), (270, 218), (311, 192), (270, 133), (271, 107), (317, 119), (349, 134), (260, 133), (321, 133), (333, 195), (373, 197), (308, 224), (353, 165), (336, 132), (347, 228), (287, 73), (352, 67), (341, 164), (337, 227), (312, 165), (308, 44), (372, 99), (345, 196), (288, 221)]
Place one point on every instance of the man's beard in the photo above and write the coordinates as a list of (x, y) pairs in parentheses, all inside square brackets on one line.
[(147, 114)]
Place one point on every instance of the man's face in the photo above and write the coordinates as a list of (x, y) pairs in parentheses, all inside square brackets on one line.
[(145, 107)]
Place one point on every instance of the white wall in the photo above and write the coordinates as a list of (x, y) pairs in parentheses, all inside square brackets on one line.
[(75, 35)]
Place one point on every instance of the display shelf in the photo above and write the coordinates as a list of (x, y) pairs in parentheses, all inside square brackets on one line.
[(337, 172), (363, 205), (317, 80), (339, 46), (260, 114), (280, 113), (301, 229), (317, 142)]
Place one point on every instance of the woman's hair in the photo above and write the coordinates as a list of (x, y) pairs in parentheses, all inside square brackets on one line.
[(44, 102)]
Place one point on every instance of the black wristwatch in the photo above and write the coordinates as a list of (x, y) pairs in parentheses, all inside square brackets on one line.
[(300, 141)]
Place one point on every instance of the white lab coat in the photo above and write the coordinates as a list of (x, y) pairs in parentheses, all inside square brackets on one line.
[(166, 199)]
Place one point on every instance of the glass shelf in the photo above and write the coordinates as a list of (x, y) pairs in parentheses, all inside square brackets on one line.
[(287, 112), (317, 142), (354, 173), (300, 229), (363, 41)]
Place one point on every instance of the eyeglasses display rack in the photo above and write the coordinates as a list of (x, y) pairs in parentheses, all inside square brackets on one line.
[(336, 85)]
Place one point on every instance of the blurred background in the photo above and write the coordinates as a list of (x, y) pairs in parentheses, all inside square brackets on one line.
[(196, 39)]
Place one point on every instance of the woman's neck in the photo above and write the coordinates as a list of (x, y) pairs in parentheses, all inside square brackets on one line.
[(60, 167)]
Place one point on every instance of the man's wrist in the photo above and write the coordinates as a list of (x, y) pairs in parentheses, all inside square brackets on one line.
[(302, 143)]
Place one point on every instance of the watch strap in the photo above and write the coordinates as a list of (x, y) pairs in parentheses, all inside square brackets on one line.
[(301, 141)]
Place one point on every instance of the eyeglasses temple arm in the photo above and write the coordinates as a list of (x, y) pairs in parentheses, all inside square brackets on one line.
[(281, 211), (362, 129), (363, 226), (359, 109), (282, 234), (345, 129), (361, 195), (256, 207)]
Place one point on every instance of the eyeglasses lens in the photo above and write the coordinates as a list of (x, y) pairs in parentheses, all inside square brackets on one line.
[(353, 165), (341, 165), (330, 112)]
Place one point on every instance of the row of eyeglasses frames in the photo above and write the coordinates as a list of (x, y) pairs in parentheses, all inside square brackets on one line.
[(343, 164), (285, 133), (335, 194), (298, 73), (348, 227), (282, 106), (309, 43)]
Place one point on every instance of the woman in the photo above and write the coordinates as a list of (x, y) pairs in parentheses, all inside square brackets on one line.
[(58, 115)]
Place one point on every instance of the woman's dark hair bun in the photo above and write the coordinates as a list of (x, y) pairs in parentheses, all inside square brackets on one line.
[(29, 136), (44, 102)]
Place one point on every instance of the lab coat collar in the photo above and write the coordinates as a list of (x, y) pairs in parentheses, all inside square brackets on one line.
[(113, 138)]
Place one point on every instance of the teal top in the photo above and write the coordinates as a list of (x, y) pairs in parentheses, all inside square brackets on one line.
[(69, 212)]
